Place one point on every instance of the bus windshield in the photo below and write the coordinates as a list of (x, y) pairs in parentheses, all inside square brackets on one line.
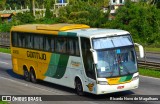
[(116, 56)]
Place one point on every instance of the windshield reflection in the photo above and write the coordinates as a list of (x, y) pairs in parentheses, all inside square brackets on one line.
[(116, 62)]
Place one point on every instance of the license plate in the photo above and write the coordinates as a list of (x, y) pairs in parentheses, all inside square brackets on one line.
[(120, 87)]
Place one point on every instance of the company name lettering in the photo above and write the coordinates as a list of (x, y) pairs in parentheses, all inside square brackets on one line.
[(36, 55)]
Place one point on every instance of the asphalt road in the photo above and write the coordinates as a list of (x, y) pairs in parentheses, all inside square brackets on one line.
[(153, 57), (13, 84)]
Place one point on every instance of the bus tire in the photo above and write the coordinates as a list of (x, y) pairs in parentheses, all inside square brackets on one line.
[(26, 75), (33, 76), (79, 87)]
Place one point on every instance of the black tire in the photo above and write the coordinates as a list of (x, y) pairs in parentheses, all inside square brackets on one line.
[(33, 76), (79, 87), (26, 75)]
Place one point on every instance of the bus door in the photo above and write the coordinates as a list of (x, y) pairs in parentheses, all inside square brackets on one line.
[(90, 84)]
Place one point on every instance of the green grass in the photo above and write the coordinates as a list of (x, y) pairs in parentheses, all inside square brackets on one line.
[(2, 102), (148, 49), (4, 50), (149, 72)]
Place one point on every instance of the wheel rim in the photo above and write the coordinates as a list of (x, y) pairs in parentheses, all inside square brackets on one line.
[(26, 75), (79, 87), (33, 77)]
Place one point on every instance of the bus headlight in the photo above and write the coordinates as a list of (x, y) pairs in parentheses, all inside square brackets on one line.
[(135, 77), (102, 82)]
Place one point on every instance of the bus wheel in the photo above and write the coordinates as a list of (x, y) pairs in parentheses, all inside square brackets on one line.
[(26, 75), (79, 88), (33, 76)]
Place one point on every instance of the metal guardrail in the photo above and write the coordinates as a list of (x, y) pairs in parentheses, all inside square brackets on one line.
[(4, 40), (4, 46), (147, 64)]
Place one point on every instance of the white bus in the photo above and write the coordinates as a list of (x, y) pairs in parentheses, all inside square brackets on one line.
[(93, 60)]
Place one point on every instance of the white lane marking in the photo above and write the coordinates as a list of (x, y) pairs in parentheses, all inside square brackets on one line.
[(150, 77), (4, 62), (51, 91), (5, 53)]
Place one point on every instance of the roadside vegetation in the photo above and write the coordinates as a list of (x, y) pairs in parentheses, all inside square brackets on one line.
[(150, 72), (2, 102), (4, 50), (152, 49)]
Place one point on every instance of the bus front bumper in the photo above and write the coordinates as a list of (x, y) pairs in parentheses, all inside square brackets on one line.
[(104, 89)]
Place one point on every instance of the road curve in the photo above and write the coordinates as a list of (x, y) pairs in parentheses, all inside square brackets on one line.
[(13, 84)]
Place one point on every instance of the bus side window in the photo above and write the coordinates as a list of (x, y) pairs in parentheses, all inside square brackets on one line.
[(36, 42), (47, 46), (41, 42), (14, 39), (64, 45), (21, 40), (70, 47), (76, 47), (58, 45), (29, 41), (61, 45), (52, 44)]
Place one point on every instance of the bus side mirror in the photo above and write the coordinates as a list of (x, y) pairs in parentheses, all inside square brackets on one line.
[(141, 50), (95, 58)]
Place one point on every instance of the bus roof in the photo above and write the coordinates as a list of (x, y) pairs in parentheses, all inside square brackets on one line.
[(35, 28), (59, 29), (98, 32)]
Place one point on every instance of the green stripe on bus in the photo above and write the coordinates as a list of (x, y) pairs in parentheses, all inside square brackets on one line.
[(52, 68), (125, 78), (62, 33), (67, 34), (129, 77), (62, 65), (122, 79), (71, 34)]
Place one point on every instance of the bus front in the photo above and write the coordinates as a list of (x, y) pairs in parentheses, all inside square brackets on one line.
[(116, 64)]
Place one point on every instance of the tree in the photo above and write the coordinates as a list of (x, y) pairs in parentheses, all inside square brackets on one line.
[(2, 4), (0, 21), (140, 19), (83, 12), (158, 4), (48, 13), (25, 17), (32, 7), (18, 3)]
